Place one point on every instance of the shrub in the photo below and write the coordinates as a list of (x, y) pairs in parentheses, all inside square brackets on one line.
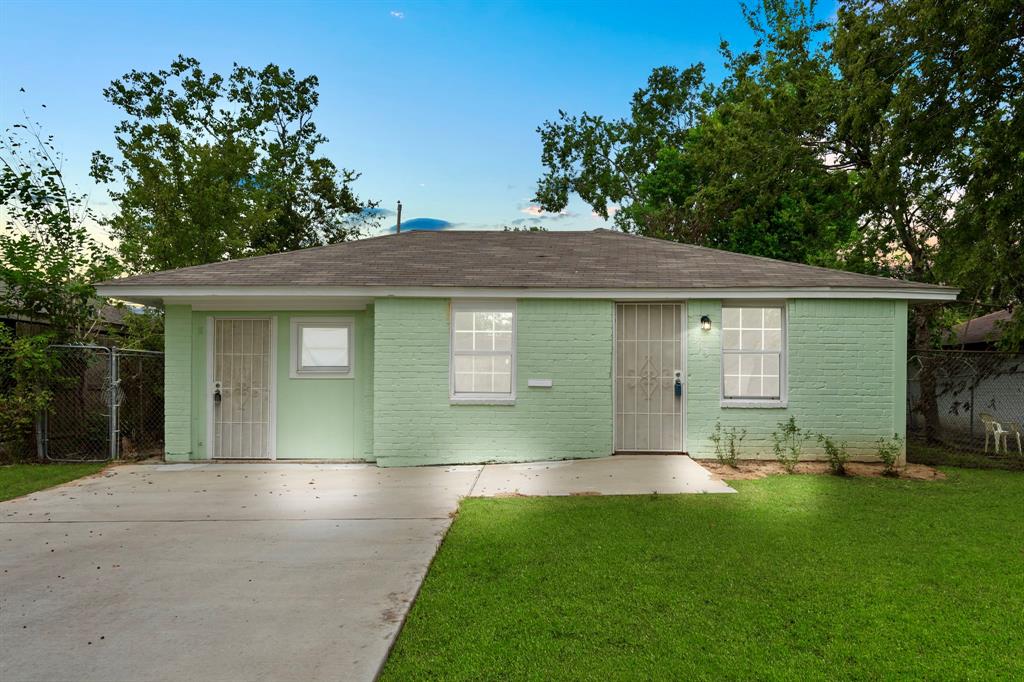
[(836, 454), (787, 443), (889, 451), (727, 444), (26, 369)]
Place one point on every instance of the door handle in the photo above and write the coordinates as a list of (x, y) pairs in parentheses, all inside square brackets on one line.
[(216, 393)]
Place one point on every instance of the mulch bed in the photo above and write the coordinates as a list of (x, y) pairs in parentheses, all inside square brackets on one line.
[(748, 470)]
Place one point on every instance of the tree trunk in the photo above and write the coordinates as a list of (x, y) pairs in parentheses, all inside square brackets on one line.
[(927, 404)]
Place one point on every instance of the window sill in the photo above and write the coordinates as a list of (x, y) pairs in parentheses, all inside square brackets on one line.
[(743, 404), (320, 375), (481, 401)]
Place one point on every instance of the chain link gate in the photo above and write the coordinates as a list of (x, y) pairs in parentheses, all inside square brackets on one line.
[(107, 403)]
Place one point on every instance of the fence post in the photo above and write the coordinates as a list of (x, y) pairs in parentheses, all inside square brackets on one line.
[(41, 435), (972, 411), (114, 427)]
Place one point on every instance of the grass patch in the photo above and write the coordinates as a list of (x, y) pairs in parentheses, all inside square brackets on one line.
[(20, 479), (796, 577), (941, 455)]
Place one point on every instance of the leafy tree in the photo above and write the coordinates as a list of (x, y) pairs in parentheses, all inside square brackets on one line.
[(743, 166), (971, 60), (605, 161), (26, 366), (48, 261), (765, 181), (929, 120), (212, 167), (48, 258)]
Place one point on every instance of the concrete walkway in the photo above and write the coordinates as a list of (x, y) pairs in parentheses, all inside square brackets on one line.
[(626, 475), (249, 571)]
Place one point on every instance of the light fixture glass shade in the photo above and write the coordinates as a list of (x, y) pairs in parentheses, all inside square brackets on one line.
[(705, 322)]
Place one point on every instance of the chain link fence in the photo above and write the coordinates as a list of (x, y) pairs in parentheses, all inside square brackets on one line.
[(106, 403), (968, 401), (140, 403)]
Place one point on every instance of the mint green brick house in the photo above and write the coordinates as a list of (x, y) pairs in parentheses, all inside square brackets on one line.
[(466, 347)]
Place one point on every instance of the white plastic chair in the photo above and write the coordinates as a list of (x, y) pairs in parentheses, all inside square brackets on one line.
[(996, 430), (1014, 429)]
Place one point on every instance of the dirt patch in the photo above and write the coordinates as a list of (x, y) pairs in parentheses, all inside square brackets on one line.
[(584, 493), (748, 470)]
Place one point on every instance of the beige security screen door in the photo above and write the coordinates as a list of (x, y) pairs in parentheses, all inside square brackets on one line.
[(241, 389), (648, 356)]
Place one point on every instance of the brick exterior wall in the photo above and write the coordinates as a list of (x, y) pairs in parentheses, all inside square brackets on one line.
[(567, 341), (847, 377), (846, 368)]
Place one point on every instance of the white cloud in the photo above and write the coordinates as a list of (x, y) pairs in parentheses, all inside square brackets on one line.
[(534, 210), (612, 210), (397, 14)]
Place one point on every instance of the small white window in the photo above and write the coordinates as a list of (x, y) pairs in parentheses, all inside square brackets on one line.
[(753, 353), (322, 348), (483, 352)]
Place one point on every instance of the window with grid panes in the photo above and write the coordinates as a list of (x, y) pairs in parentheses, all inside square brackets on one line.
[(483, 351), (753, 353)]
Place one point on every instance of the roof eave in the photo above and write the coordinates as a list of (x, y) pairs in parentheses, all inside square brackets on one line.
[(148, 294)]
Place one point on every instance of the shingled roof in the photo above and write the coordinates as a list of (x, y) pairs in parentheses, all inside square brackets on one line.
[(601, 259)]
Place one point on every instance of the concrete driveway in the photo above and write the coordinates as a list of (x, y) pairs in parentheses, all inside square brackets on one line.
[(248, 571)]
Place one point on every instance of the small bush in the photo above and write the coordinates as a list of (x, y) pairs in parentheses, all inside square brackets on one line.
[(27, 367), (727, 444), (787, 443), (836, 454), (889, 451)]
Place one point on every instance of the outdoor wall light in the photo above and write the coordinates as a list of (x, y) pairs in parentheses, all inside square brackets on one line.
[(705, 323)]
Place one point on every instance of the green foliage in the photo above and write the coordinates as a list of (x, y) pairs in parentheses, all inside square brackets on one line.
[(143, 329), (889, 450), (26, 367), (887, 140), (48, 261), (604, 161), (765, 183), (1011, 332), (213, 167), (727, 443), (945, 455), (929, 118), (741, 166), (836, 454), (48, 258), (787, 443)]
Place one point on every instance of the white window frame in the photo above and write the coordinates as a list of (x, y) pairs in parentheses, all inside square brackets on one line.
[(783, 399), (296, 371), (481, 307)]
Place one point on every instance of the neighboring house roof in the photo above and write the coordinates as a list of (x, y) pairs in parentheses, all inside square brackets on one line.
[(601, 259), (982, 330), (110, 314)]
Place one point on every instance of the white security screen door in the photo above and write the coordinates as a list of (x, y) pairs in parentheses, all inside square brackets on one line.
[(241, 388), (648, 354)]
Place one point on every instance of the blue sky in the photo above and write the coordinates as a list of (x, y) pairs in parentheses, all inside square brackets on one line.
[(435, 103)]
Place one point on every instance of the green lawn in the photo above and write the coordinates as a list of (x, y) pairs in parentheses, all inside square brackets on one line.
[(796, 577), (946, 456), (20, 479)]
